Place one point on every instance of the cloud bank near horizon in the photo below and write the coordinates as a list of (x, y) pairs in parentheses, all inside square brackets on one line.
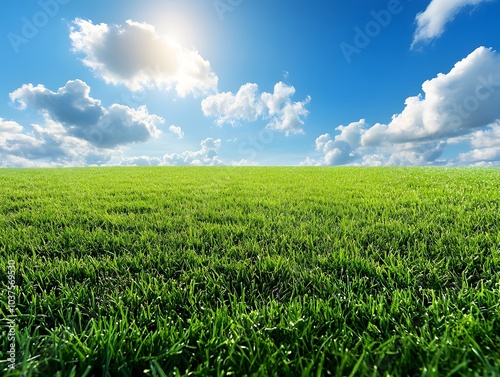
[(461, 106)]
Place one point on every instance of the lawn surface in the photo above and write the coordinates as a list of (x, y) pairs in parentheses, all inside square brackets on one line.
[(252, 271)]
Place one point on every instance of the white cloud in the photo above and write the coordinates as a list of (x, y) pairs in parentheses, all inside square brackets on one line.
[(85, 118), (453, 104), (140, 161), (281, 95), (342, 149), (210, 144), (485, 144), (322, 140), (38, 144), (206, 155), (414, 153), (481, 155), (7, 126), (487, 138), (310, 162), (244, 162), (137, 56), (48, 145), (350, 134), (246, 105), (231, 108), (458, 106), (431, 22), (176, 131)]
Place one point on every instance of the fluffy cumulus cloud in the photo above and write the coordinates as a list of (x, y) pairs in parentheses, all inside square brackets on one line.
[(248, 105), (453, 104), (137, 56), (431, 22), (37, 144), (206, 155), (46, 145), (176, 131), (84, 117), (460, 105), (485, 147), (341, 149)]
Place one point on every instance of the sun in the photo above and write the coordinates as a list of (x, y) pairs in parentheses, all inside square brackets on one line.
[(180, 25)]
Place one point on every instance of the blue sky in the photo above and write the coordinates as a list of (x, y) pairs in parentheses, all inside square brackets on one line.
[(240, 82)]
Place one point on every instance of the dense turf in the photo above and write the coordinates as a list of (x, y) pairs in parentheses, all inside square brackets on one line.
[(256, 271)]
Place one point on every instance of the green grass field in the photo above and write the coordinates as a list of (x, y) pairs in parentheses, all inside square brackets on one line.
[(252, 271)]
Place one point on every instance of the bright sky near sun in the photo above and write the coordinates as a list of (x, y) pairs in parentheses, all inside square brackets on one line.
[(249, 82)]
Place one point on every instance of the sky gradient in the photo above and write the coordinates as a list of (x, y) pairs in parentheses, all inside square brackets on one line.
[(239, 82)]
